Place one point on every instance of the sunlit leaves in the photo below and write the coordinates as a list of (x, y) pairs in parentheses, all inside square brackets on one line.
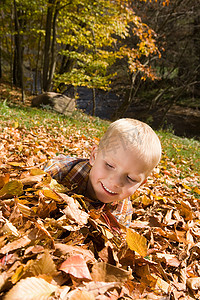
[(102, 29), (11, 188), (136, 242), (31, 288)]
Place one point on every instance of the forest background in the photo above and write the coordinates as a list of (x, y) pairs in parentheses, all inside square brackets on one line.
[(146, 52)]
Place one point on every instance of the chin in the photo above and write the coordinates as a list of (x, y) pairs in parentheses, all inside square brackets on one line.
[(103, 200)]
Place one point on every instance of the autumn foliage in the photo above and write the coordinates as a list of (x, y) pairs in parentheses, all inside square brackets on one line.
[(52, 247)]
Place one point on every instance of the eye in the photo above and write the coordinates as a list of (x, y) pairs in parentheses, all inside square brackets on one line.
[(131, 179), (109, 166)]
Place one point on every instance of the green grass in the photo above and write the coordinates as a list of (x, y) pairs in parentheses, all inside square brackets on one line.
[(30, 118), (183, 152)]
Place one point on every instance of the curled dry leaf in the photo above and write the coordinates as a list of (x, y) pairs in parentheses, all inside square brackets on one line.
[(170, 259), (31, 180), (99, 288), (62, 249), (194, 283), (73, 211), (44, 265), (108, 273), (17, 244), (8, 228)]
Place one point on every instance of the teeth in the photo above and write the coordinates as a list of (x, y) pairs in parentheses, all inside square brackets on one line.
[(108, 189)]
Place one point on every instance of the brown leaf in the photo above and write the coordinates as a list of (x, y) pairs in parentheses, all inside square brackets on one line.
[(108, 273), (62, 249), (31, 180), (99, 288), (73, 211), (170, 259), (194, 283), (17, 244), (8, 228), (80, 295), (43, 265)]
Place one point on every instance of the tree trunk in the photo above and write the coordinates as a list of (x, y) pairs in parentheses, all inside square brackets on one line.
[(119, 113), (49, 48), (196, 40), (18, 74), (0, 63), (53, 51), (93, 101)]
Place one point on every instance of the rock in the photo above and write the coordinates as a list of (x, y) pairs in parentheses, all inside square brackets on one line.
[(58, 102)]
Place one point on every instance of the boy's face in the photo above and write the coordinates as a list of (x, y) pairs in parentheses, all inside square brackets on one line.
[(115, 174)]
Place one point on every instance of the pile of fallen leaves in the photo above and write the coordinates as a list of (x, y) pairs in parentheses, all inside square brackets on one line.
[(53, 247)]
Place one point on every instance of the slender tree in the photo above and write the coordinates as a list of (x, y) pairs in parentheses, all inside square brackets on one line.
[(18, 70)]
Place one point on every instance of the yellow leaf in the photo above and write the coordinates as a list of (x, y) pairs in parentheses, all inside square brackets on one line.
[(18, 274), (57, 187), (16, 125), (136, 242), (146, 200), (196, 190), (52, 195), (162, 284), (16, 164), (186, 186), (12, 188), (36, 171)]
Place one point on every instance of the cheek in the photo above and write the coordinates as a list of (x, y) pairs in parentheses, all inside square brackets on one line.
[(131, 190), (96, 174)]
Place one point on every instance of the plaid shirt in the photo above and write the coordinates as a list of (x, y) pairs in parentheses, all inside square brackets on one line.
[(73, 173)]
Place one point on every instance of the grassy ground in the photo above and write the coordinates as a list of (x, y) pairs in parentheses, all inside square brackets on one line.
[(183, 152)]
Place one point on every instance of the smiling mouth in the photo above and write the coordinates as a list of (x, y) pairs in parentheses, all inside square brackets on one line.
[(108, 190)]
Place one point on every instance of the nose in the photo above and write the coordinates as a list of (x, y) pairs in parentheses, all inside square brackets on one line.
[(116, 181)]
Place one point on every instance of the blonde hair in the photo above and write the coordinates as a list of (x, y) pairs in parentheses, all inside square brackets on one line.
[(136, 135)]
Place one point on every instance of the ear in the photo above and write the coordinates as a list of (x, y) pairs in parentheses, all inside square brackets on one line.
[(93, 154)]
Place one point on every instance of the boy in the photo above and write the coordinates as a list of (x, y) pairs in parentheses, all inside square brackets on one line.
[(118, 166)]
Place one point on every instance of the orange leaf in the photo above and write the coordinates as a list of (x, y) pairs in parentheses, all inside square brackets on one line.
[(4, 179)]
